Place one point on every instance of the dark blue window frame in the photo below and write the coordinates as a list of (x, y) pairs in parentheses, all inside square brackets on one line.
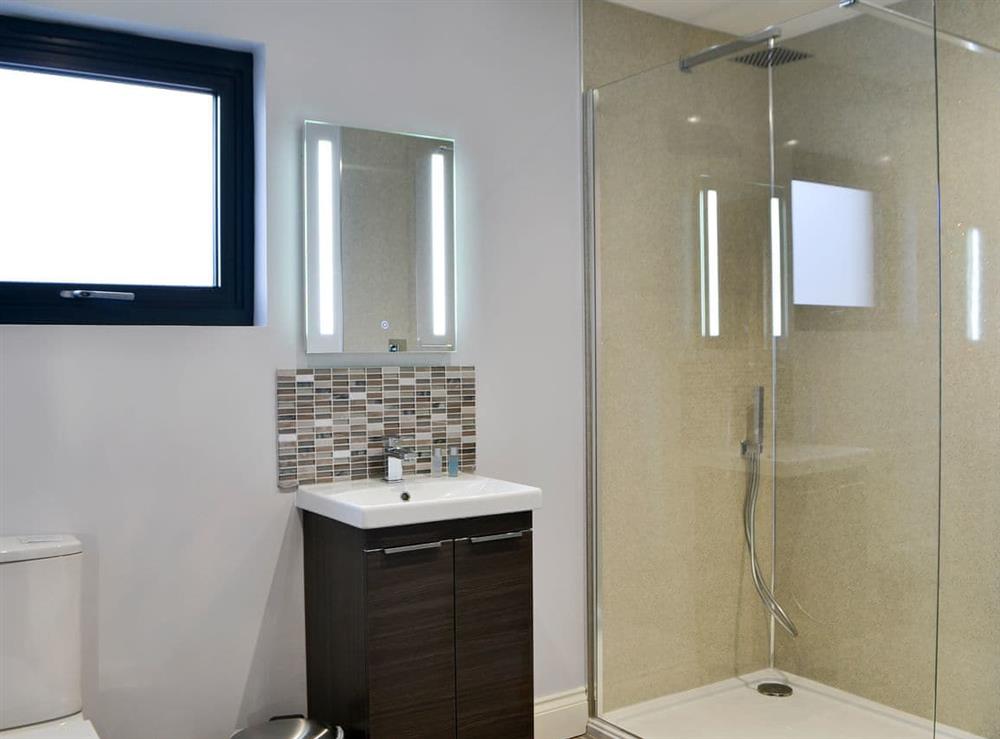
[(111, 55)]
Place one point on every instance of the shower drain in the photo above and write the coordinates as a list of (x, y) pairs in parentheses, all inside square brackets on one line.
[(775, 690)]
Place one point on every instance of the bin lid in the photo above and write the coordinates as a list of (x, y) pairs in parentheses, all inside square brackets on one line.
[(289, 728), (37, 546)]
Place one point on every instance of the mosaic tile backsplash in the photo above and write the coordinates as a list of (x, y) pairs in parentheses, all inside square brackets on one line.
[(332, 423)]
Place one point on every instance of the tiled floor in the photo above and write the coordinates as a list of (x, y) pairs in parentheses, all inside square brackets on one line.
[(733, 709)]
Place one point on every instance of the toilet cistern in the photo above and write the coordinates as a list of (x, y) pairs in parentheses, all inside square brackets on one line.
[(41, 638)]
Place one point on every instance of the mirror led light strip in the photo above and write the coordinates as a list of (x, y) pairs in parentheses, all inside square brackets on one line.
[(324, 288), (973, 297), (439, 302), (776, 307), (709, 207), (324, 212)]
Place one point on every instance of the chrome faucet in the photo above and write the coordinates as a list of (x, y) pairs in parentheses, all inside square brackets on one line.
[(395, 455)]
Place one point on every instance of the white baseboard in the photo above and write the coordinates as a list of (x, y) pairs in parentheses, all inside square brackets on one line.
[(562, 715)]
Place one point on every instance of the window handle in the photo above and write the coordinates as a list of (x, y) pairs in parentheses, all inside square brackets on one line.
[(96, 294)]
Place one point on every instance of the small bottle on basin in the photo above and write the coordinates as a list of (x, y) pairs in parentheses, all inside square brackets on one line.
[(453, 462)]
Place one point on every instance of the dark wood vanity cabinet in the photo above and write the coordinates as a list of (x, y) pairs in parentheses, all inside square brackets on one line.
[(423, 631), (410, 614)]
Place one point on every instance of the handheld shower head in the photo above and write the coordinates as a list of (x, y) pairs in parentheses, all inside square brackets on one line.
[(754, 443), (757, 434)]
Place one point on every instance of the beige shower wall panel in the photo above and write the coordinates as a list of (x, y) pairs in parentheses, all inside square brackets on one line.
[(677, 609), (969, 647), (857, 542), (619, 42)]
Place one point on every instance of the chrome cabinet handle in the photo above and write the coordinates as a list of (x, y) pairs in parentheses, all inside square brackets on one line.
[(411, 548), (496, 537), (96, 294)]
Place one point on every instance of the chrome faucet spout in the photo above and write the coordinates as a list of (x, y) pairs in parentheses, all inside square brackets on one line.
[(395, 455)]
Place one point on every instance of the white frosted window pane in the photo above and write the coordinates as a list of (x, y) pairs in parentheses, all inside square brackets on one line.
[(105, 182), (832, 245)]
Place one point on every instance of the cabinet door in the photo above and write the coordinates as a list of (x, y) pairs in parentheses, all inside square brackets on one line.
[(493, 649), (410, 606)]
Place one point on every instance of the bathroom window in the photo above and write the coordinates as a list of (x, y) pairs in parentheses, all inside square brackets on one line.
[(126, 178)]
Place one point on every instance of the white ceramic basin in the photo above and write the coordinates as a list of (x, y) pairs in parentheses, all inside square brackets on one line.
[(374, 504)]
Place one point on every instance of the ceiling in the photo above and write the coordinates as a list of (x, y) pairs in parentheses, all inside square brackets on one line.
[(737, 17), (740, 17)]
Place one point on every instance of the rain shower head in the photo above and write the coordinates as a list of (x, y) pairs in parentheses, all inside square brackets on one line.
[(763, 59), (771, 57)]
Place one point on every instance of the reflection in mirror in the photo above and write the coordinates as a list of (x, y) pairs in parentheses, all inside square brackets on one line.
[(379, 228), (833, 245), (708, 205)]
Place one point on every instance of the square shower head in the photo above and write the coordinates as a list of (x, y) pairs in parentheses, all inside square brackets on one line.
[(771, 57)]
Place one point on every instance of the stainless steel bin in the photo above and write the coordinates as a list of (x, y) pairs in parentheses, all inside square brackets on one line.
[(290, 728)]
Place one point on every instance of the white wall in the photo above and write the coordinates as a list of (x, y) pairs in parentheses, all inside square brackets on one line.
[(156, 445)]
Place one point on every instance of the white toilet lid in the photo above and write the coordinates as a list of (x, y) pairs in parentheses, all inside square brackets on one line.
[(71, 727)]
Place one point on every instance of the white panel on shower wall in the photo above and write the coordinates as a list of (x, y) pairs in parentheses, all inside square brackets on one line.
[(833, 245)]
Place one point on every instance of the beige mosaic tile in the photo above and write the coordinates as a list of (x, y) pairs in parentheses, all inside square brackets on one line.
[(332, 423)]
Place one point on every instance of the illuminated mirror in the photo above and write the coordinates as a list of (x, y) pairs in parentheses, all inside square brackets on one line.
[(380, 241)]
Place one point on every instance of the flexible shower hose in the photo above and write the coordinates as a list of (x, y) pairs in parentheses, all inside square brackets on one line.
[(752, 454)]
